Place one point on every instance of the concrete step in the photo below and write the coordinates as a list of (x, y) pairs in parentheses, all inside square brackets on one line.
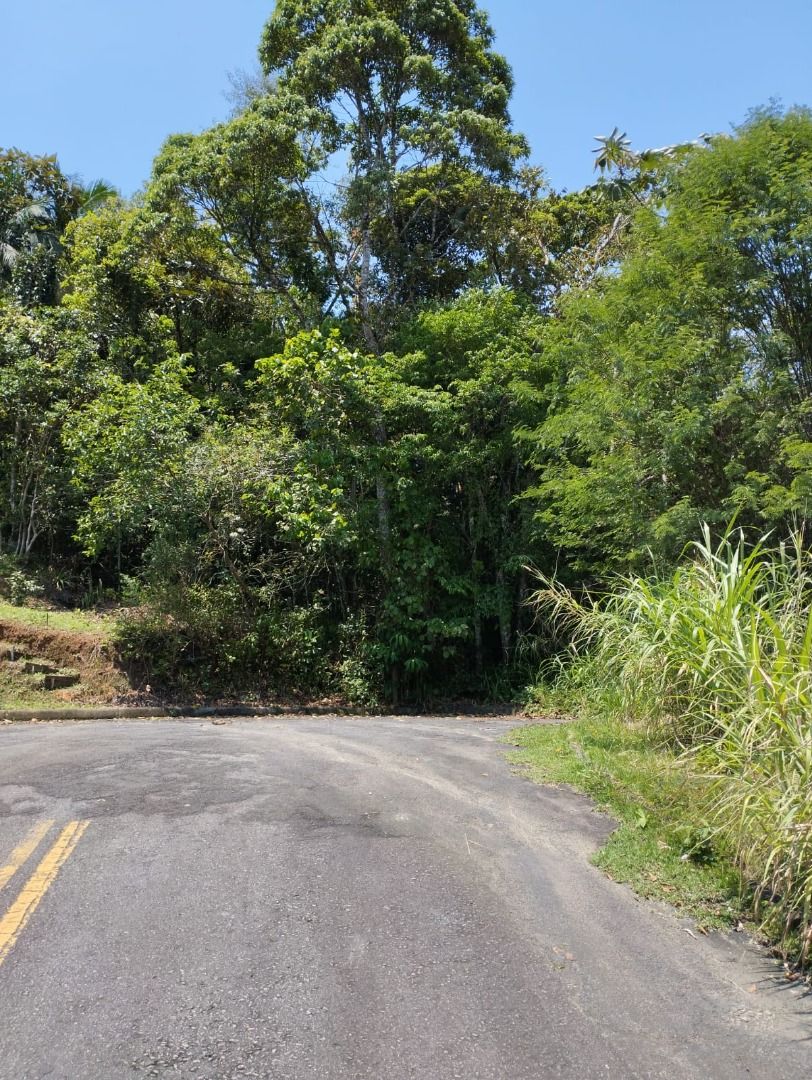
[(39, 667), (12, 653), (57, 680)]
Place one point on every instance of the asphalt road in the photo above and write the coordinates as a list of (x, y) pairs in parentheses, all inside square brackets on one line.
[(343, 898)]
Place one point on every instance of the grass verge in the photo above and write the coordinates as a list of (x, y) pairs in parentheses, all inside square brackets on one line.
[(81, 622), (659, 848)]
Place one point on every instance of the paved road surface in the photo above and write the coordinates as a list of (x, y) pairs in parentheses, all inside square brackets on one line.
[(343, 898)]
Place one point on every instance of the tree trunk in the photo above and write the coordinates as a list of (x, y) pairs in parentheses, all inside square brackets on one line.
[(505, 620)]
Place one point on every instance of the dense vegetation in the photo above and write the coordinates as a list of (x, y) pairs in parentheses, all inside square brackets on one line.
[(317, 404), (317, 398)]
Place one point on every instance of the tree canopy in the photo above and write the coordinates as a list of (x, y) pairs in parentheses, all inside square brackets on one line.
[(322, 393)]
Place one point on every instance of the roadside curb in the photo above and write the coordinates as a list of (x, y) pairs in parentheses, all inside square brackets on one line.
[(211, 712), (125, 712)]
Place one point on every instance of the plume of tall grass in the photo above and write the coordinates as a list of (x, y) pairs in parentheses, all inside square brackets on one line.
[(716, 660)]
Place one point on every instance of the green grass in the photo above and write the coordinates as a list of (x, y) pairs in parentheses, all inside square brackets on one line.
[(77, 621), (659, 849)]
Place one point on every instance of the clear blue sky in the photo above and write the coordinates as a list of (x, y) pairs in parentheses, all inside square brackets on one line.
[(103, 82)]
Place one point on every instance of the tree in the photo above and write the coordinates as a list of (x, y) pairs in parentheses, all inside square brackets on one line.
[(746, 207), (409, 93), (93, 196), (680, 383), (37, 202), (157, 283), (359, 181), (126, 446), (245, 180), (48, 369)]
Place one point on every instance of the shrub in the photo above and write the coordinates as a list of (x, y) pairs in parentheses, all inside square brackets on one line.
[(205, 639), (16, 582)]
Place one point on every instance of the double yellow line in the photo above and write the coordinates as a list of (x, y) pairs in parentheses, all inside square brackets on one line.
[(14, 921)]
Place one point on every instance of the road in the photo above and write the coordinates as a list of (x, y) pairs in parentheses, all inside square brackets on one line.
[(344, 898)]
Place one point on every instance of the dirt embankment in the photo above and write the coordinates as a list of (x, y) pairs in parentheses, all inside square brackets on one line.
[(100, 679)]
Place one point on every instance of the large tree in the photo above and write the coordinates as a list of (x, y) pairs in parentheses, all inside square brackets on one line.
[(360, 181), (681, 382), (416, 97)]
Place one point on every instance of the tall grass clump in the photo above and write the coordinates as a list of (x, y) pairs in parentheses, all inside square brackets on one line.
[(715, 660)]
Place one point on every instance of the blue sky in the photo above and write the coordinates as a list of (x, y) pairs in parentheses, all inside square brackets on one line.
[(103, 82)]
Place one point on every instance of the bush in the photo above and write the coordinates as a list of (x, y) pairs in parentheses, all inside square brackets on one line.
[(15, 582), (152, 644), (361, 676), (205, 639)]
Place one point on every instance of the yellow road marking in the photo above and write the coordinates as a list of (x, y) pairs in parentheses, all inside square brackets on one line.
[(14, 921), (23, 851)]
